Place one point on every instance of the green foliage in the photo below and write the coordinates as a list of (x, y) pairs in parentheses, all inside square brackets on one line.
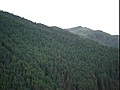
[(98, 36), (37, 57)]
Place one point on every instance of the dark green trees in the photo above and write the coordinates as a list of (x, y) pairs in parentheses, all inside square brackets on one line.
[(36, 57)]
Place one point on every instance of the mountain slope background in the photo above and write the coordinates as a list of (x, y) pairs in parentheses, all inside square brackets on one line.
[(99, 36), (37, 57)]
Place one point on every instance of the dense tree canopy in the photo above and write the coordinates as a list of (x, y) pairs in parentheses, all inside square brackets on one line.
[(37, 57), (96, 35)]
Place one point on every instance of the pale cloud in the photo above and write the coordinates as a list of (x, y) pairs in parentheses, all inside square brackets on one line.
[(94, 14)]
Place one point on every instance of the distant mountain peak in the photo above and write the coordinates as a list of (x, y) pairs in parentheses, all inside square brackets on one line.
[(96, 35)]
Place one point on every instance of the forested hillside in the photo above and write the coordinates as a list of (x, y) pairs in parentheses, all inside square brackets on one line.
[(37, 57), (99, 36)]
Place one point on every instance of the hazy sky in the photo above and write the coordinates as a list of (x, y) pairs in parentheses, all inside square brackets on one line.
[(95, 14)]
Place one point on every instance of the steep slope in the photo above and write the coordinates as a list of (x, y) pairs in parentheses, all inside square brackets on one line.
[(99, 36), (37, 57)]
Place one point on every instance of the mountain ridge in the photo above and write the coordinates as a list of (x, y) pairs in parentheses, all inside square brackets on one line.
[(37, 57), (96, 35)]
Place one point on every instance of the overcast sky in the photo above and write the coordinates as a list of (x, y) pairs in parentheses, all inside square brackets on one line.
[(95, 14)]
